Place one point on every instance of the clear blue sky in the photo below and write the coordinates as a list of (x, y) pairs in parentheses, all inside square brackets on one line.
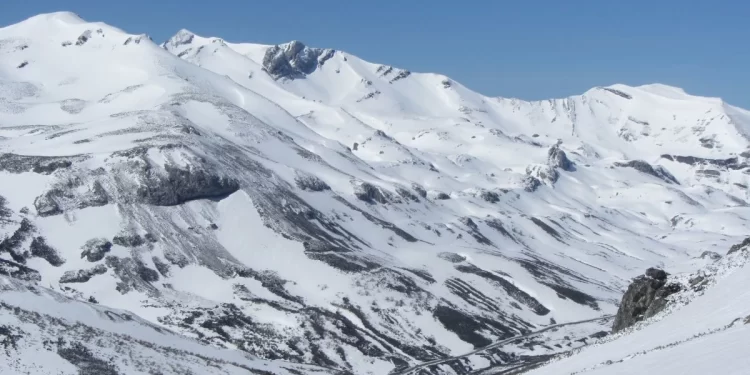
[(525, 49)]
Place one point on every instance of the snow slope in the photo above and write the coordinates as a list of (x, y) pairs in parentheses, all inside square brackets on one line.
[(704, 331), (304, 205)]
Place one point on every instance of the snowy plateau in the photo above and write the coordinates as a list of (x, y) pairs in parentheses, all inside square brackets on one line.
[(204, 207)]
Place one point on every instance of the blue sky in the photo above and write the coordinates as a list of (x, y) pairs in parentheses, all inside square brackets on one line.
[(524, 49)]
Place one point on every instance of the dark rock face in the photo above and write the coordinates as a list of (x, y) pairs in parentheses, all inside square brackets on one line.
[(556, 158), (740, 246), (645, 297), (19, 271), (46, 204), (84, 359), (643, 167), (132, 240), (369, 193), (13, 244), (82, 276), (310, 183), (489, 196), (182, 185), (294, 60), (731, 163), (95, 249), (710, 255), (40, 249), (420, 190), (531, 183), (15, 163)]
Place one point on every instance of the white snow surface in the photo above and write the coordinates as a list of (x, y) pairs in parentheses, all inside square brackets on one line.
[(361, 216)]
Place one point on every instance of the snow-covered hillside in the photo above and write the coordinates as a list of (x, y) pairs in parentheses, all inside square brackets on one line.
[(303, 205)]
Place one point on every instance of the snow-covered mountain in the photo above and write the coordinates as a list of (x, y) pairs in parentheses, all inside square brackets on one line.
[(303, 205)]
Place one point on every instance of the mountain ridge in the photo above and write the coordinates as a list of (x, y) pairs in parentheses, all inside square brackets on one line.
[(355, 216)]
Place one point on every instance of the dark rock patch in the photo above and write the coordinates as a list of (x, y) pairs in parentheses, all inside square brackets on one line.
[(645, 297), (512, 290), (88, 364), (12, 244), (462, 324), (451, 257), (618, 93), (183, 185), (95, 249), (710, 255), (129, 240), (40, 249), (368, 193), (310, 183), (556, 158), (576, 296), (551, 231), (82, 276), (644, 167), (740, 246), (15, 163), (19, 271)]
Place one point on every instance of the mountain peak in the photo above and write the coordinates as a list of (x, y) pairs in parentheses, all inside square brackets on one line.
[(63, 16)]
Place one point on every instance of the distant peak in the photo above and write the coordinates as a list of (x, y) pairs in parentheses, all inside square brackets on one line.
[(183, 37), (65, 17)]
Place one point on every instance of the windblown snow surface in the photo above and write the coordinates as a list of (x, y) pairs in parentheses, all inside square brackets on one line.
[(269, 205)]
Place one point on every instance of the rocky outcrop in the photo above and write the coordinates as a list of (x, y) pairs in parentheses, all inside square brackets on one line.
[(182, 185), (18, 271), (95, 249), (369, 193), (309, 182), (294, 60), (740, 246), (82, 276), (646, 296), (556, 158), (644, 167)]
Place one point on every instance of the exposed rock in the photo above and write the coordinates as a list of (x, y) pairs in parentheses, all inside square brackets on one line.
[(294, 60), (489, 196), (618, 93), (40, 249), (84, 359), (442, 196), (367, 192), (309, 182), (543, 172), (13, 244), (740, 246), (451, 257), (19, 271), (182, 185), (644, 167), (708, 173), (82, 276), (710, 255), (15, 163), (556, 158), (419, 189), (131, 240), (95, 249), (47, 205), (731, 163), (531, 183), (406, 194), (645, 297)]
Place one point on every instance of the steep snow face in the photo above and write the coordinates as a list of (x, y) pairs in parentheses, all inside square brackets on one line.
[(302, 204)]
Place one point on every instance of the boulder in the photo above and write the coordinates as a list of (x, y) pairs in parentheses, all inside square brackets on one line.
[(646, 296)]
